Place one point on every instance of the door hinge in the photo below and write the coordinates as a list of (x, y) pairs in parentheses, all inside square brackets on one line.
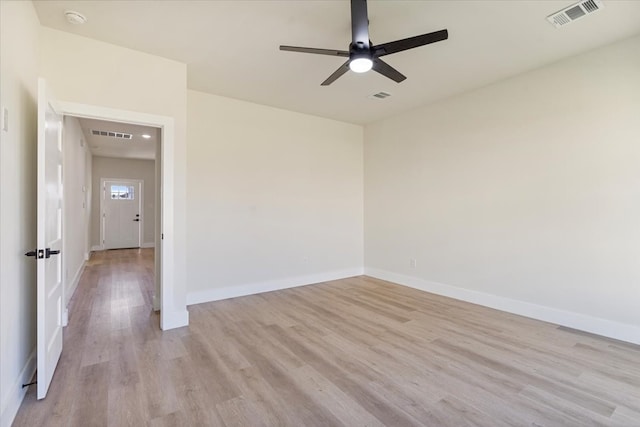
[(162, 236)]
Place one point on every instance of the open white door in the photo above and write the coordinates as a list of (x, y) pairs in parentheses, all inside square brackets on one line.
[(49, 240)]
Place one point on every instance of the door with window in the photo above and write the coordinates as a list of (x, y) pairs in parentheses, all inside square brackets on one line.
[(121, 213)]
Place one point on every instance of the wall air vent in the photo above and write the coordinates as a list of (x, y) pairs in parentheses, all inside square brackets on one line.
[(574, 12), (120, 135), (380, 95)]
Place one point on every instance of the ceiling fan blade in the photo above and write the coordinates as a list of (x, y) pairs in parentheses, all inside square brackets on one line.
[(330, 52), (333, 77), (409, 43), (359, 24), (387, 70)]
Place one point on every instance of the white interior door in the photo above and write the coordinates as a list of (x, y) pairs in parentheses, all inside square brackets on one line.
[(121, 213), (49, 239)]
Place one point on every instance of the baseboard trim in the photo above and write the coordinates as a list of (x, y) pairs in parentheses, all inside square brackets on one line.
[(268, 286), (74, 283), (594, 325), (173, 319), (16, 393), (98, 248)]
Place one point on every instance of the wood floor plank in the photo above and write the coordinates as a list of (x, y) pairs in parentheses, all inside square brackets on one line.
[(215, 378), (92, 408), (272, 406), (239, 412), (123, 369), (191, 393), (159, 392), (625, 417), (328, 395), (348, 374), (357, 351), (299, 402), (125, 406)]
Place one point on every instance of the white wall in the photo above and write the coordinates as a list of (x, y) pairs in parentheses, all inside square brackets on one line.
[(107, 167), (76, 176), (528, 190), (274, 198), (86, 71), (18, 89)]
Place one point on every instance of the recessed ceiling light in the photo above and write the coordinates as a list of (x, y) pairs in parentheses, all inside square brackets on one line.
[(146, 136), (74, 17)]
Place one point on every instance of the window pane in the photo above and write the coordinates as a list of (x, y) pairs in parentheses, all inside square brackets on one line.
[(122, 192)]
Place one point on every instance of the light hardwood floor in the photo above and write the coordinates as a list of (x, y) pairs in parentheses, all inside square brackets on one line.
[(353, 352)]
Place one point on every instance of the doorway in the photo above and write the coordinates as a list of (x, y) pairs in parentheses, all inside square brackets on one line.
[(173, 314), (116, 162)]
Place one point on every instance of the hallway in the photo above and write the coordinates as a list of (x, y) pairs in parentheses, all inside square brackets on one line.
[(112, 339)]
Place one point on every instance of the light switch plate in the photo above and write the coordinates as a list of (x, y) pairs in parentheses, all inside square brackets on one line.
[(5, 120)]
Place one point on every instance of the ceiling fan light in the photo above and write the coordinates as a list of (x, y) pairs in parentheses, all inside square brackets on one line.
[(360, 65)]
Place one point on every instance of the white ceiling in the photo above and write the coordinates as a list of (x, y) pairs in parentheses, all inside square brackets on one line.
[(106, 146), (231, 47)]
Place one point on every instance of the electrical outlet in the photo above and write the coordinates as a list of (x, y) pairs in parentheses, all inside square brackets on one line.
[(412, 263)]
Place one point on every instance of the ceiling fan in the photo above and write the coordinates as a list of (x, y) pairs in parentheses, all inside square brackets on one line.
[(363, 55)]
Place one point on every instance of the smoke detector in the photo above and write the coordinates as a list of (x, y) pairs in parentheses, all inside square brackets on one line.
[(74, 17), (574, 12)]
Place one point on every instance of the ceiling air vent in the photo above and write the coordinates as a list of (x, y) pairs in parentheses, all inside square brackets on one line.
[(380, 95), (120, 135), (574, 12)]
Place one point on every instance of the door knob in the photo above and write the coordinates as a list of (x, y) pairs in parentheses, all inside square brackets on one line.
[(49, 252), (35, 253), (137, 219)]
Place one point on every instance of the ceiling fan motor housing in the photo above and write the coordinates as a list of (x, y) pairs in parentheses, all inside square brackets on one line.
[(356, 52)]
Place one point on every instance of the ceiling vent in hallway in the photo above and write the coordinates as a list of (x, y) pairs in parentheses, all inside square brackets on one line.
[(120, 135), (574, 12)]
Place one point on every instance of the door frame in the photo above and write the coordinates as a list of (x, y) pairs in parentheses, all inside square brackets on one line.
[(172, 313), (140, 184)]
